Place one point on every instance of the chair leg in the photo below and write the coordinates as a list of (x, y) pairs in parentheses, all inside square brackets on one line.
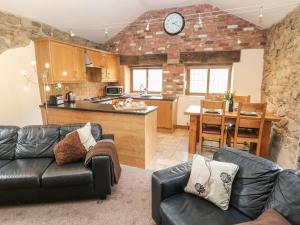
[(200, 145), (258, 149)]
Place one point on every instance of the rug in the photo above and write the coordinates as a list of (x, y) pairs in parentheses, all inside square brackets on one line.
[(129, 204)]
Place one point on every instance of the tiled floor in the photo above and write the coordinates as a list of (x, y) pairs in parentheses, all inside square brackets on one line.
[(172, 149)]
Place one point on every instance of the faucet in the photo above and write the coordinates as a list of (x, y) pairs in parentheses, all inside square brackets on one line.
[(141, 89)]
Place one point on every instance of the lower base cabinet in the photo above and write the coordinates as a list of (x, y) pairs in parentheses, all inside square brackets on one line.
[(166, 113)]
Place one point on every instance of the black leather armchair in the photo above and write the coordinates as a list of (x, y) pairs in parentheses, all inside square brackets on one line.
[(258, 185), (29, 173)]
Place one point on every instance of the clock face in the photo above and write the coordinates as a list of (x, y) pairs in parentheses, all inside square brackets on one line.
[(174, 23)]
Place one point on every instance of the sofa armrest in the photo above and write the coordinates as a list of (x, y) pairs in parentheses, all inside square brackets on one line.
[(101, 167), (166, 183), (108, 136)]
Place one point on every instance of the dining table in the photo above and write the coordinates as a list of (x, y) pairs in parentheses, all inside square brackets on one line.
[(230, 117)]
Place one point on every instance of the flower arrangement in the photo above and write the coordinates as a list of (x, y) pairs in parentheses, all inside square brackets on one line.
[(228, 96)]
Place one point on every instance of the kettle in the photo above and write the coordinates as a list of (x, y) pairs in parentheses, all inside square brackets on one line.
[(70, 97)]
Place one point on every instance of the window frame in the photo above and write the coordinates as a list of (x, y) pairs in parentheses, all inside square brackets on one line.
[(208, 67), (147, 78)]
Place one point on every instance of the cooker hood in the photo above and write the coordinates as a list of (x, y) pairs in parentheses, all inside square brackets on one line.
[(87, 60)]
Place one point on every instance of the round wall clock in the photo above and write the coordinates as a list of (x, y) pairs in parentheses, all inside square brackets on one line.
[(174, 23)]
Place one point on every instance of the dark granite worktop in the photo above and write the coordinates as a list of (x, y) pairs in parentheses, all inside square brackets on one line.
[(150, 97), (98, 107)]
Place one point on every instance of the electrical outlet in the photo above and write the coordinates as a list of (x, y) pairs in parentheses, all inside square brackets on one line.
[(66, 88)]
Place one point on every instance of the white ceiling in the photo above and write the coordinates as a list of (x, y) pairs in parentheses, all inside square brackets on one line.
[(88, 18)]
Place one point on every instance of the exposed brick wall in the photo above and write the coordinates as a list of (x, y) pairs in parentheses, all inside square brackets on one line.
[(219, 33)]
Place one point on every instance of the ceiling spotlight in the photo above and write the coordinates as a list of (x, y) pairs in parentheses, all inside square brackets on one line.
[(147, 26), (261, 15), (140, 48), (106, 31), (200, 23), (239, 41), (47, 65), (117, 49), (72, 33)]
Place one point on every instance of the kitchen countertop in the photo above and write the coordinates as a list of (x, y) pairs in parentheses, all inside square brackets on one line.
[(150, 97), (97, 107)]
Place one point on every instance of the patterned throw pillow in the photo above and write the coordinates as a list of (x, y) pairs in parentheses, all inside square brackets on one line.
[(69, 149), (212, 180), (86, 137)]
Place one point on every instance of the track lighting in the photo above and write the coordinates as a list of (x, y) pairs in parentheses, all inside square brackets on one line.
[(147, 26), (261, 15), (200, 23), (140, 48), (106, 31), (47, 65), (239, 41), (72, 33), (47, 88)]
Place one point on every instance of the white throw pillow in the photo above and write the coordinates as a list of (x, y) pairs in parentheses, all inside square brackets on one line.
[(86, 137), (212, 180)]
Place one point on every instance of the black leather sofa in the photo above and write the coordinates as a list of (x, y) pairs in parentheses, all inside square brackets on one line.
[(29, 173), (260, 184)]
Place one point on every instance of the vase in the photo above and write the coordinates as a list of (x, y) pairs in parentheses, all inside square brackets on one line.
[(230, 106)]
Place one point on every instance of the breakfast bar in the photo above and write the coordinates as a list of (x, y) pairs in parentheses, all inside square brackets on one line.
[(194, 112), (134, 131)]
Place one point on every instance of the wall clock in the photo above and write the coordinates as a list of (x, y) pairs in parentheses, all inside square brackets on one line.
[(174, 23)]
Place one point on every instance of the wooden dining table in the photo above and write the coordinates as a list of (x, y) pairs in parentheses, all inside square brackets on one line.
[(230, 117)]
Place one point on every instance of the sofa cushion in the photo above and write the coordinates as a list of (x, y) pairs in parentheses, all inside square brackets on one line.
[(3, 162), (8, 141), (37, 141), (23, 173), (253, 182), (186, 209), (73, 174), (285, 197), (95, 129)]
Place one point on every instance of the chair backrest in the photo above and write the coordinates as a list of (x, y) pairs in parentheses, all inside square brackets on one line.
[(242, 99), (214, 97), (212, 118)]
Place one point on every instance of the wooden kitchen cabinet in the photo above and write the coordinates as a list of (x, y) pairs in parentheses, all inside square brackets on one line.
[(166, 114), (111, 71), (66, 61)]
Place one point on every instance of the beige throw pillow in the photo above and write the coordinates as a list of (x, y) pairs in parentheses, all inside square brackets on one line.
[(212, 180), (86, 137)]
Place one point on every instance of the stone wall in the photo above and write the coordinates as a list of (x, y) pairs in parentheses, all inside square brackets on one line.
[(281, 87), (220, 32), (16, 31)]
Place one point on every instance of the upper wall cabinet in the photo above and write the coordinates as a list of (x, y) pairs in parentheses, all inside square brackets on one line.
[(66, 61), (111, 71)]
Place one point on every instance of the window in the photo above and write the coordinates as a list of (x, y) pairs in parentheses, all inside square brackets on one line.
[(208, 80), (150, 78)]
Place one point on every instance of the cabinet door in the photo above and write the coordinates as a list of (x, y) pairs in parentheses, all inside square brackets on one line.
[(80, 70), (67, 63), (112, 70), (164, 114)]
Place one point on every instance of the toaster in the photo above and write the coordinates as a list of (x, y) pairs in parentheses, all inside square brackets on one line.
[(56, 100)]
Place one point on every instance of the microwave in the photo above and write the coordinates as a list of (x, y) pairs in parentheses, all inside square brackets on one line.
[(114, 90)]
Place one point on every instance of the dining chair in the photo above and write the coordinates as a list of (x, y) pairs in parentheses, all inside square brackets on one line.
[(212, 122), (249, 125), (241, 98), (214, 97)]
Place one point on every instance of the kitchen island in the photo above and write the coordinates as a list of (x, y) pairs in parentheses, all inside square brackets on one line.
[(134, 131)]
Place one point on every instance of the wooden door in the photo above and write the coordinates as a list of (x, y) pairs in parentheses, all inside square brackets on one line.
[(164, 114)]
